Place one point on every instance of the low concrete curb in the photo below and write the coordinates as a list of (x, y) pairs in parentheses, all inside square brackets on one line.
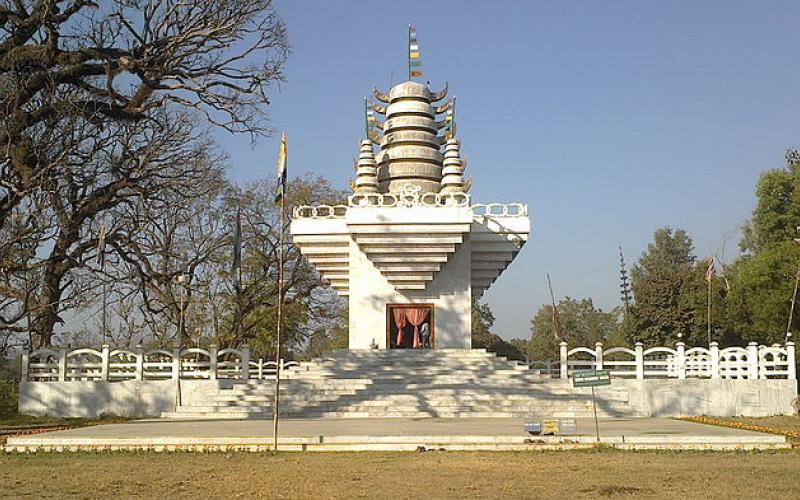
[(23, 444)]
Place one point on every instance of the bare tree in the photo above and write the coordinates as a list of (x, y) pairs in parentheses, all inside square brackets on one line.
[(90, 100), (65, 59)]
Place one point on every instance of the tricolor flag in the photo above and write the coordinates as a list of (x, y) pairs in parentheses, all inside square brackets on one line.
[(280, 189), (414, 61), (101, 247), (710, 271)]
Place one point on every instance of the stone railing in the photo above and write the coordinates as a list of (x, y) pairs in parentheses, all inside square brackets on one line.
[(319, 212), (737, 363), (409, 198), (428, 200), (113, 365), (500, 210)]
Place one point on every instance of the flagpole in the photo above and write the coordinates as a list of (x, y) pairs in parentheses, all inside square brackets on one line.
[(275, 404), (709, 310), (791, 308), (409, 52), (556, 324)]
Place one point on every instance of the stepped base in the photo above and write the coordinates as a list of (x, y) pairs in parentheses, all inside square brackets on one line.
[(405, 385)]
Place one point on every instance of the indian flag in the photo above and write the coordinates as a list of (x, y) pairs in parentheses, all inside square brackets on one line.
[(280, 189)]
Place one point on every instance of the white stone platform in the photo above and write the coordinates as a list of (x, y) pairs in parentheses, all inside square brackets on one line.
[(405, 384), (392, 435)]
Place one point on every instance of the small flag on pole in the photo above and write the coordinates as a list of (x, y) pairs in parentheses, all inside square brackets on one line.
[(711, 270), (369, 115), (280, 189), (101, 247), (414, 61)]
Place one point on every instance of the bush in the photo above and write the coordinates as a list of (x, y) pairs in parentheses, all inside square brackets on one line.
[(9, 387)]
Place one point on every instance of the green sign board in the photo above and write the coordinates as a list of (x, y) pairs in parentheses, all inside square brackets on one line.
[(591, 378)]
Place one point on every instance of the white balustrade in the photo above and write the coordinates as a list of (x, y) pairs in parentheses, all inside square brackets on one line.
[(731, 363), (410, 199), (45, 365), (319, 211), (500, 210)]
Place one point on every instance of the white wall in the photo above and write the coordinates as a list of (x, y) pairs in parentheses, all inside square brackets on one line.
[(130, 398), (649, 397), (449, 292)]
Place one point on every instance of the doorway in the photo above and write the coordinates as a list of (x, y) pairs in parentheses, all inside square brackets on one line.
[(410, 326)]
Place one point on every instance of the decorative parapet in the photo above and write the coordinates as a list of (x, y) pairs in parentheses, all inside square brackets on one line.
[(319, 212), (116, 365), (410, 196), (730, 363), (500, 210), (404, 200)]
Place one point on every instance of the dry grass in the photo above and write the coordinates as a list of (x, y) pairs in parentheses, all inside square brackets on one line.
[(593, 474)]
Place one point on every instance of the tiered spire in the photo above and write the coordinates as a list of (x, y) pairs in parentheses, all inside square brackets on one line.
[(453, 171), (410, 143), (366, 169)]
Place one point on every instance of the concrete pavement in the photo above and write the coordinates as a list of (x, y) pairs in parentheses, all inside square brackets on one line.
[(391, 434)]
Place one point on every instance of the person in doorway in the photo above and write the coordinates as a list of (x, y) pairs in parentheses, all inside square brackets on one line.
[(425, 331)]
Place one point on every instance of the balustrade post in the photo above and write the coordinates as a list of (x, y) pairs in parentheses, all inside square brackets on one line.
[(245, 371), (638, 350), (563, 366), (62, 364), (714, 354), (26, 359), (176, 364), (105, 360), (752, 360), (138, 374), (790, 358), (680, 359), (213, 352), (598, 355), (260, 368)]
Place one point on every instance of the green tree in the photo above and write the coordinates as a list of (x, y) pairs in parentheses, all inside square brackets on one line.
[(483, 338), (762, 280), (582, 324), (666, 285)]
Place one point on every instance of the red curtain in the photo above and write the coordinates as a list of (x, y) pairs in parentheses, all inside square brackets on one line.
[(400, 322), (416, 316)]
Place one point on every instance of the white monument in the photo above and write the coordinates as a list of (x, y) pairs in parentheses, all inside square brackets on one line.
[(410, 250)]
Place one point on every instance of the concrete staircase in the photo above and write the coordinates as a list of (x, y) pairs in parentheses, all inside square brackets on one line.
[(406, 384)]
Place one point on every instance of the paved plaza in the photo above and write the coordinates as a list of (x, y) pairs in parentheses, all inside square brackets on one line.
[(392, 434)]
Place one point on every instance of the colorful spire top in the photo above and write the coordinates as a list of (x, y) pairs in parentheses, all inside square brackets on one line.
[(369, 118), (414, 61)]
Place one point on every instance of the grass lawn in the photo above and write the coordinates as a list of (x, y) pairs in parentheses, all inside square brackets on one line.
[(577, 474)]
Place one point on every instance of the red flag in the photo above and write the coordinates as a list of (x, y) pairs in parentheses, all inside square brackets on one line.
[(711, 270)]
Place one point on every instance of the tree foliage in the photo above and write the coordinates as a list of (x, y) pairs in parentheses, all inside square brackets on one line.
[(666, 282), (762, 280), (582, 324), (102, 108), (483, 338)]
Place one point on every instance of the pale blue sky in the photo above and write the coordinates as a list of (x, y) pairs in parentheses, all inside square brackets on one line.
[(609, 119)]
